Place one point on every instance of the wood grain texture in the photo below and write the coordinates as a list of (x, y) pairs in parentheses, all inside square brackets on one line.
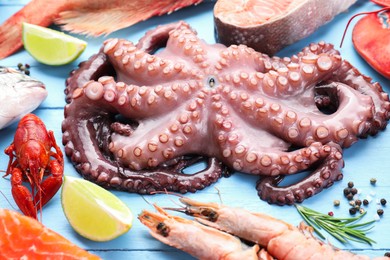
[(364, 160)]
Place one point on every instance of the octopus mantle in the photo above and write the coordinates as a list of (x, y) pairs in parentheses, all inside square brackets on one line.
[(135, 112)]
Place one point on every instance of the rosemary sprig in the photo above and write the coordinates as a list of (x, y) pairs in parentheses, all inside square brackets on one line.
[(340, 228)]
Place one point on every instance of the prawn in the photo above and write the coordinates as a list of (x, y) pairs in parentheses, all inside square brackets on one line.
[(279, 239), (200, 241)]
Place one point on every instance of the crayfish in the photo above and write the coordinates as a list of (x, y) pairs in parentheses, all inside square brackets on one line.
[(30, 161)]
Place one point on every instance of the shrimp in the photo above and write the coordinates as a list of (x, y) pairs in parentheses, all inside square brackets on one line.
[(281, 239), (200, 241), (278, 238)]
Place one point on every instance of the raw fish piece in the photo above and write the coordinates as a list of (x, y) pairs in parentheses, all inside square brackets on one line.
[(23, 237), (20, 95)]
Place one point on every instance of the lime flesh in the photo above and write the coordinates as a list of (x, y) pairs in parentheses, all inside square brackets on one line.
[(94, 212), (51, 47)]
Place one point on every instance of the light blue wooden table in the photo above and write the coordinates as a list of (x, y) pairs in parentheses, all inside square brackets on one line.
[(367, 159)]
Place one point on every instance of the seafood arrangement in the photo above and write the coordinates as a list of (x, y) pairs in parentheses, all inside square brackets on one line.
[(17, 90), (268, 26), (239, 106), (215, 234), (31, 159), (172, 111)]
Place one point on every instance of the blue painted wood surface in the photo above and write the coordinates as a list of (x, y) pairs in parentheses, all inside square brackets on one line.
[(366, 159)]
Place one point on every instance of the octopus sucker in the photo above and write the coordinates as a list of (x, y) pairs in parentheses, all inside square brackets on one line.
[(136, 117)]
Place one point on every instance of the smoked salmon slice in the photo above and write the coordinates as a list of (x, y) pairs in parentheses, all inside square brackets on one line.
[(269, 25), (23, 237)]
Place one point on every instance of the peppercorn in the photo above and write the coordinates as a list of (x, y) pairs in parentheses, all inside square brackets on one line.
[(27, 72), (352, 203), (354, 191), (373, 181), (352, 211), (350, 184), (365, 202), (20, 65), (347, 191), (330, 213), (27, 65), (358, 202), (336, 203), (361, 210), (383, 202), (350, 196), (387, 254), (380, 212)]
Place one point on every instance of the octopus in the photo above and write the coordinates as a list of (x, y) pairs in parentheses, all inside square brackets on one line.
[(137, 115)]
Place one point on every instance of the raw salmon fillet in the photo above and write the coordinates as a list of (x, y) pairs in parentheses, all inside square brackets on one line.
[(23, 237)]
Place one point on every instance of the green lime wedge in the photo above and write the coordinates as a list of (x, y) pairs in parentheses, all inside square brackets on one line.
[(94, 212), (51, 47)]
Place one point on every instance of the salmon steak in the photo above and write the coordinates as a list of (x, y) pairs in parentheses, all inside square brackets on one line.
[(269, 25), (23, 237)]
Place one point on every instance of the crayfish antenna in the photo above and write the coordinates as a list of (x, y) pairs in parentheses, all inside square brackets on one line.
[(358, 14), (5, 197)]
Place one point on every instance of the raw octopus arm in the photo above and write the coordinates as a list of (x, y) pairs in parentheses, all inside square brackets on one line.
[(301, 125), (136, 66), (352, 77), (327, 171), (131, 101), (87, 141)]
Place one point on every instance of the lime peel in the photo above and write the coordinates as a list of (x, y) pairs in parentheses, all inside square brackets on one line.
[(51, 47), (94, 212)]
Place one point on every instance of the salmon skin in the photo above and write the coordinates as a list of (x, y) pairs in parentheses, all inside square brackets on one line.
[(269, 25), (91, 17), (20, 94), (23, 237)]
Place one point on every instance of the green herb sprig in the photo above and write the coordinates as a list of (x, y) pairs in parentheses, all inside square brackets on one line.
[(342, 229)]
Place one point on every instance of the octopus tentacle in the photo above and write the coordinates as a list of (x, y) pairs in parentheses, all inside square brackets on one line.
[(326, 173), (85, 147)]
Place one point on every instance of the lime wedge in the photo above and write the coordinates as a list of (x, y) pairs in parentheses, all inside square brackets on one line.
[(51, 47), (94, 212)]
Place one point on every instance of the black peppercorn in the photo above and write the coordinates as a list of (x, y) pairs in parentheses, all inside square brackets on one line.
[(350, 184), (352, 211), (380, 212), (347, 191), (365, 202), (383, 202), (387, 254), (354, 191), (358, 202), (27, 72), (350, 196)]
